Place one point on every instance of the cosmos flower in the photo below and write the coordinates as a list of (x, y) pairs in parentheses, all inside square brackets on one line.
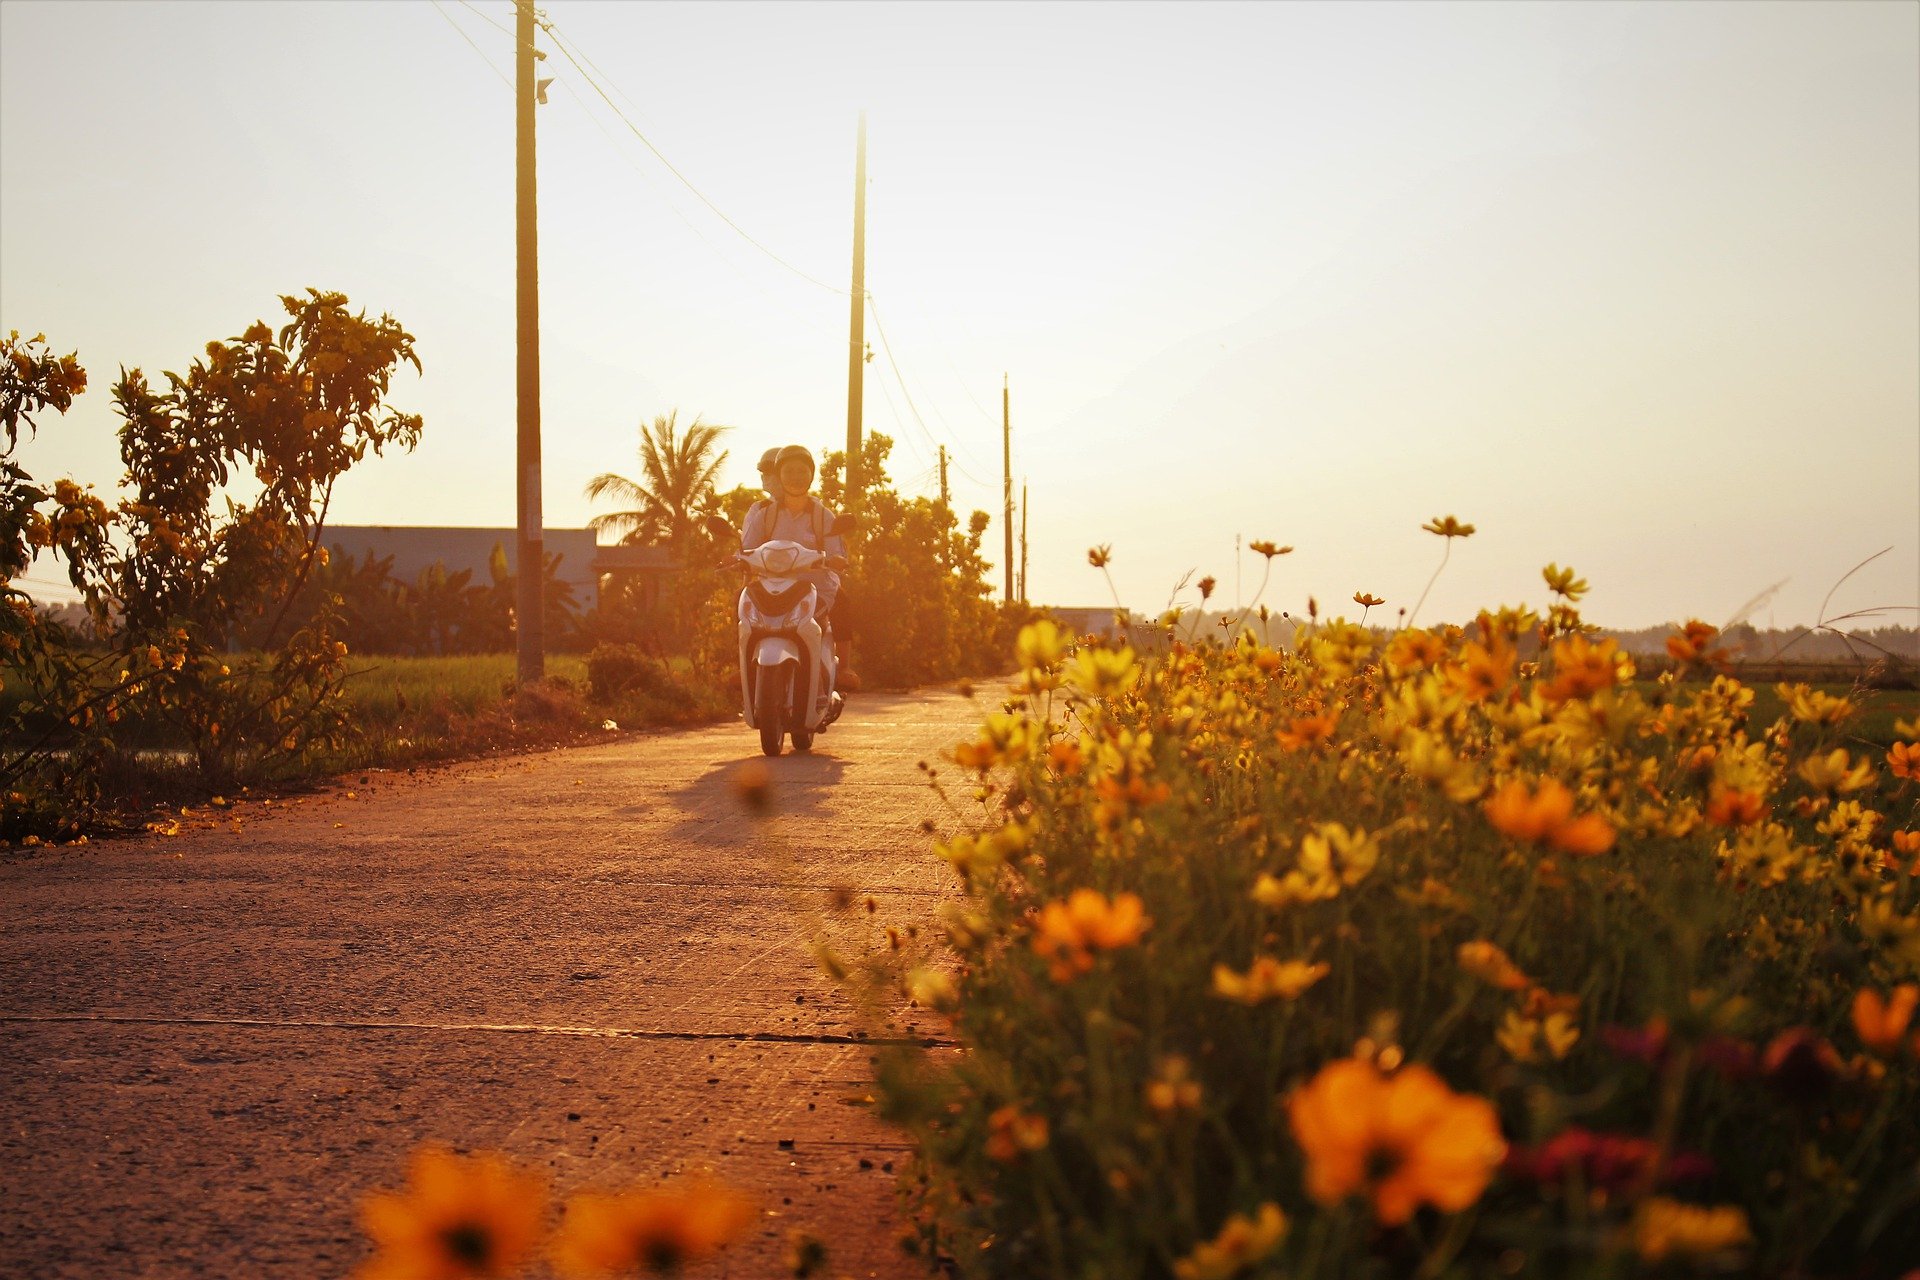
[(1448, 527), (1402, 1140), (656, 1230), (1066, 934), (1241, 1242), (1267, 979), (459, 1217)]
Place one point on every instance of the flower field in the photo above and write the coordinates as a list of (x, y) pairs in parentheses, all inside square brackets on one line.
[(1441, 952)]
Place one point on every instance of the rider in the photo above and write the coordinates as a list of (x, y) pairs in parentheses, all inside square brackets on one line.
[(792, 514)]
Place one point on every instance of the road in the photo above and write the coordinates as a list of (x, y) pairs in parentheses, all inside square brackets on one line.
[(593, 959)]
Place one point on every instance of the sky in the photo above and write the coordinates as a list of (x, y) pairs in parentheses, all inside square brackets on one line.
[(1634, 288)]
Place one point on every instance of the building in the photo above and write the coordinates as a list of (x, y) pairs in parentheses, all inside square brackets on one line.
[(583, 563)]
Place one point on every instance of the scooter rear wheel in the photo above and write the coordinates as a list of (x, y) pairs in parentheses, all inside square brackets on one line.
[(770, 706)]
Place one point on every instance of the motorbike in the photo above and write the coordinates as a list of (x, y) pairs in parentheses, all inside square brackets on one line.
[(788, 665)]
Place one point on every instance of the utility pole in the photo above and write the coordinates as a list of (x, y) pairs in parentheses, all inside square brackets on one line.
[(857, 342), (531, 559), (1023, 542), (1006, 484), (944, 499)]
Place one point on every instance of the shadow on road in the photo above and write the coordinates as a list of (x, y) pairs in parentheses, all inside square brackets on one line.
[(712, 810)]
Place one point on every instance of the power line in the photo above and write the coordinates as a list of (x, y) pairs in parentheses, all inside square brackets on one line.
[(470, 44), (894, 364), (562, 44)]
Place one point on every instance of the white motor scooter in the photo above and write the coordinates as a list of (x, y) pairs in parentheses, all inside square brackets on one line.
[(788, 665)]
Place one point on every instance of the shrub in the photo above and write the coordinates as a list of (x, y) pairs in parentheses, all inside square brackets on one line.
[(1384, 956)]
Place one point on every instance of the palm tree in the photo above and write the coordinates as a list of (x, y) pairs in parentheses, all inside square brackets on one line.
[(675, 487)]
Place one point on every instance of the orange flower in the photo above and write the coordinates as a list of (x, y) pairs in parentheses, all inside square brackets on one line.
[(1066, 934), (1487, 962), (1582, 668), (1013, 1132), (658, 1229), (1306, 731), (1366, 599), (1546, 815), (1904, 759), (1694, 643), (1483, 671), (459, 1217), (1402, 1140), (1881, 1024), (1414, 650), (1731, 808)]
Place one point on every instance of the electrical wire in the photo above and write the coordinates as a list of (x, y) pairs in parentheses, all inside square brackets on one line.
[(471, 45), (562, 44)]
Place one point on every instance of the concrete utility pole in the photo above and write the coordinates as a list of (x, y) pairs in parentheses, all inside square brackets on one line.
[(944, 500), (531, 558), (1023, 542), (857, 342), (1006, 471)]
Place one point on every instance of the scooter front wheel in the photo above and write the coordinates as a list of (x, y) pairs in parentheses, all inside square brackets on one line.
[(770, 705)]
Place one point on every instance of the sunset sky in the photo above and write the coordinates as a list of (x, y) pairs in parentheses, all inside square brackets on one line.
[(1631, 287)]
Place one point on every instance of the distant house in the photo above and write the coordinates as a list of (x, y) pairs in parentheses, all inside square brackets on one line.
[(583, 561), (1095, 621)]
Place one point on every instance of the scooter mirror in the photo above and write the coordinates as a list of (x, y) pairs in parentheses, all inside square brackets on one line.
[(843, 522), (721, 528)]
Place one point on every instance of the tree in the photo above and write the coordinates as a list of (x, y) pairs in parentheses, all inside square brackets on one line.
[(181, 572), (675, 489)]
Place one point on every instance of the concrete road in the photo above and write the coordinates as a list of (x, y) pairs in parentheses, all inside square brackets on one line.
[(593, 959)]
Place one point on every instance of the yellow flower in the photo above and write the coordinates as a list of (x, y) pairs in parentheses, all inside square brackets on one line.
[(1525, 1038), (1881, 1024), (1267, 979), (459, 1217), (1562, 582), (1487, 962), (654, 1230), (1013, 1132), (1041, 645), (1268, 549), (1402, 1140), (1903, 758), (1367, 600), (1835, 771), (1242, 1241), (931, 988), (1331, 850), (1281, 891), (1100, 557), (1810, 706), (1102, 672), (1066, 934), (1448, 527), (1663, 1228)]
